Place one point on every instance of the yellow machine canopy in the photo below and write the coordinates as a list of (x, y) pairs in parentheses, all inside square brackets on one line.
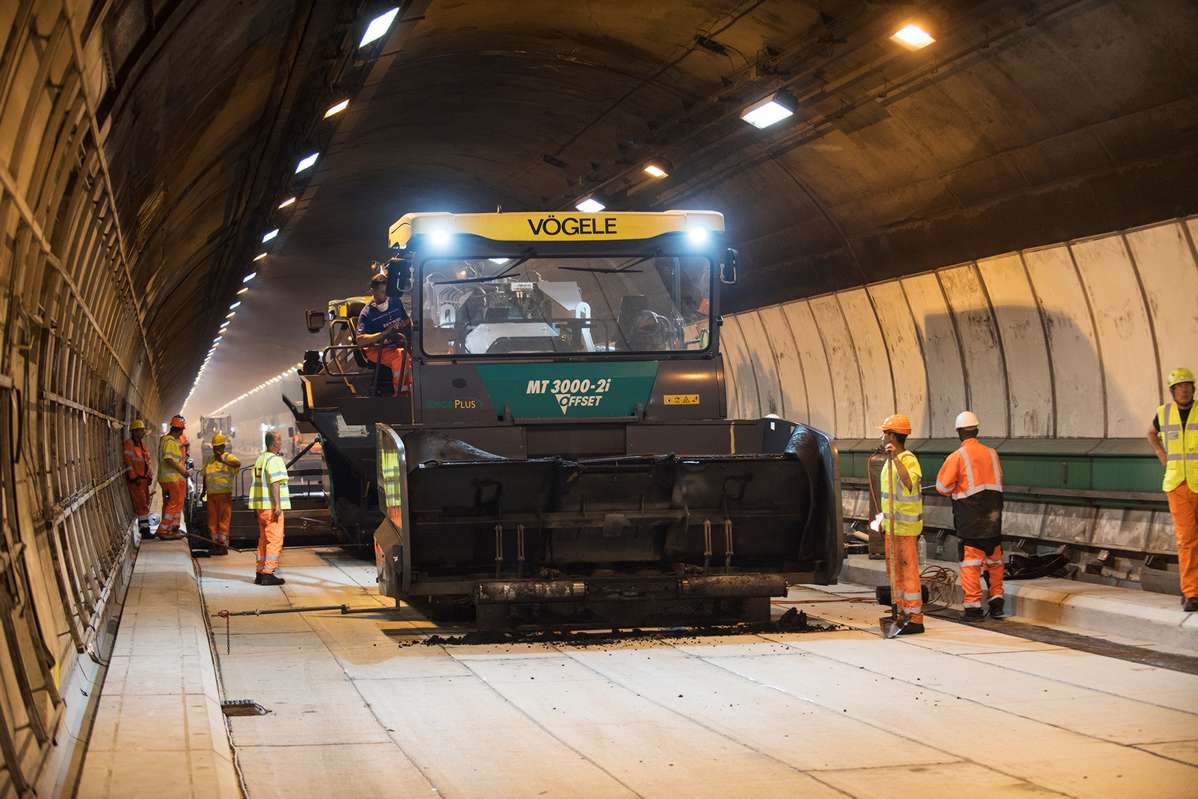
[(554, 225)]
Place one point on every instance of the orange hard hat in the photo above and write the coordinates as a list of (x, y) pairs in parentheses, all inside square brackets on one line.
[(897, 423), (178, 421)]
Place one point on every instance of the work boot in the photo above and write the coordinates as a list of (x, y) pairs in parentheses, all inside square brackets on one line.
[(974, 614), (169, 535), (912, 628), (219, 549), (148, 536), (268, 579), (996, 608), (1191, 605)]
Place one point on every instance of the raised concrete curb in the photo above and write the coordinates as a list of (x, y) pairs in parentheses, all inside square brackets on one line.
[(159, 730), (1130, 616)]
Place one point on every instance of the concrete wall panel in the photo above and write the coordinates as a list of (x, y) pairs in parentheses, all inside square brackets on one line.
[(1072, 345), (946, 380), (984, 363), (842, 363), (1165, 258), (792, 382), (874, 361), (906, 354), (761, 357), (1068, 341), (1130, 372), (821, 399), (1029, 374)]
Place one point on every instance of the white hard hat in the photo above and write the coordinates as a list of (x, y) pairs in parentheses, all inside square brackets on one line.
[(967, 419)]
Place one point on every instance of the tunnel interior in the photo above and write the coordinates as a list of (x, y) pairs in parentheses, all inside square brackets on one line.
[(1002, 221)]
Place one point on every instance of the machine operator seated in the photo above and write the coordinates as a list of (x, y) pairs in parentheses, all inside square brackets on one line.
[(383, 327)]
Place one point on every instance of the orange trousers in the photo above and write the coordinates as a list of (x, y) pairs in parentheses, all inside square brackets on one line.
[(173, 495), (909, 595), (393, 358), (1183, 504), (270, 541), (139, 493), (972, 563), (220, 514)]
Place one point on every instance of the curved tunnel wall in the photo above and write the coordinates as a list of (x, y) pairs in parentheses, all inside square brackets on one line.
[(1066, 341)]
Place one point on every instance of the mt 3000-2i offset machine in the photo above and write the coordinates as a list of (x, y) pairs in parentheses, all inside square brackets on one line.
[(564, 451)]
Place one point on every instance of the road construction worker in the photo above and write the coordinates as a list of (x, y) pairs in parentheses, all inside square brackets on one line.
[(901, 498), (139, 476), (383, 318), (1174, 436), (219, 474), (268, 499), (972, 476), (172, 476)]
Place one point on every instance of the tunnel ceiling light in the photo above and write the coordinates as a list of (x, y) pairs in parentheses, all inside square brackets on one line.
[(655, 170), (770, 110), (272, 234), (289, 201), (378, 26), (242, 290), (249, 277), (259, 256), (306, 161), (500, 261), (235, 306), (225, 324), (231, 314), (913, 37), (590, 205), (336, 108)]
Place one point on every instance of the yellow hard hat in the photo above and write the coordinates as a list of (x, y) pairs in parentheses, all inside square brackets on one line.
[(137, 424), (1180, 375), (219, 440)]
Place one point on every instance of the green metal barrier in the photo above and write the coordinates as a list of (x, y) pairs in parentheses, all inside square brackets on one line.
[(1116, 472)]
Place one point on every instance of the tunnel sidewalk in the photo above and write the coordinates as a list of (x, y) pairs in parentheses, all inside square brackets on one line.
[(159, 730), (1122, 615)]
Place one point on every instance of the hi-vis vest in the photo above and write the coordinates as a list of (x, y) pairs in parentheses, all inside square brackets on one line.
[(219, 476), (1181, 447), (908, 505), (137, 459), (268, 469), (169, 450)]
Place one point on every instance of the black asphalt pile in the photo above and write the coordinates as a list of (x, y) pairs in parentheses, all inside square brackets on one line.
[(792, 621)]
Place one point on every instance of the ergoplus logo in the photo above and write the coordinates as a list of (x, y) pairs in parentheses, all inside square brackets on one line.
[(573, 226), (572, 393)]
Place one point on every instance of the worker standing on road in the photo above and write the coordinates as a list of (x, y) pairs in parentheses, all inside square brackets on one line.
[(172, 476), (269, 498), (1174, 436), (139, 476), (219, 474), (385, 317), (972, 476), (901, 484)]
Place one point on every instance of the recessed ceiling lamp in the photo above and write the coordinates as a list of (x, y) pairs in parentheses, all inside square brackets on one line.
[(289, 200), (336, 108), (590, 206), (770, 110), (242, 290), (230, 314), (249, 277), (270, 235), (655, 170), (913, 37), (235, 306), (259, 256), (378, 26), (306, 161)]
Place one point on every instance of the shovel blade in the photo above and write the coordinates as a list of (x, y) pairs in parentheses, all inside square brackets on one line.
[(891, 626)]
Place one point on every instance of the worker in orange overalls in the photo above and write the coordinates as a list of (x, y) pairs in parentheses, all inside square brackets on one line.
[(902, 499), (972, 476), (219, 474), (139, 476), (379, 324), (1174, 437), (172, 476), (269, 497)]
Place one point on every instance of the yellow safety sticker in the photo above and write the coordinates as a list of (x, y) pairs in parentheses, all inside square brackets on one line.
[(681, 399)]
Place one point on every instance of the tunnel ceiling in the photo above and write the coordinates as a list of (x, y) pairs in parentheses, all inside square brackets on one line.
[(1025, 123)]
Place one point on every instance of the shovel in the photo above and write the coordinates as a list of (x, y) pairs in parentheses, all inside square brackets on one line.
[(893, 624)]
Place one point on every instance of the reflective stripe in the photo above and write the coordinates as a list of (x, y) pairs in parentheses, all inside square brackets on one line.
[(996, 596), (1180, 456), (992, 562), (913, 609), (977, 489), (971, 604), (911, 595), (997, 470), (942, 488), (971, 563)]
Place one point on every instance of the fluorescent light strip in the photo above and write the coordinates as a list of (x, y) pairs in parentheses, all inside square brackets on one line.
[(287, 202), (378, 26), (306, 161), (336, 108)]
